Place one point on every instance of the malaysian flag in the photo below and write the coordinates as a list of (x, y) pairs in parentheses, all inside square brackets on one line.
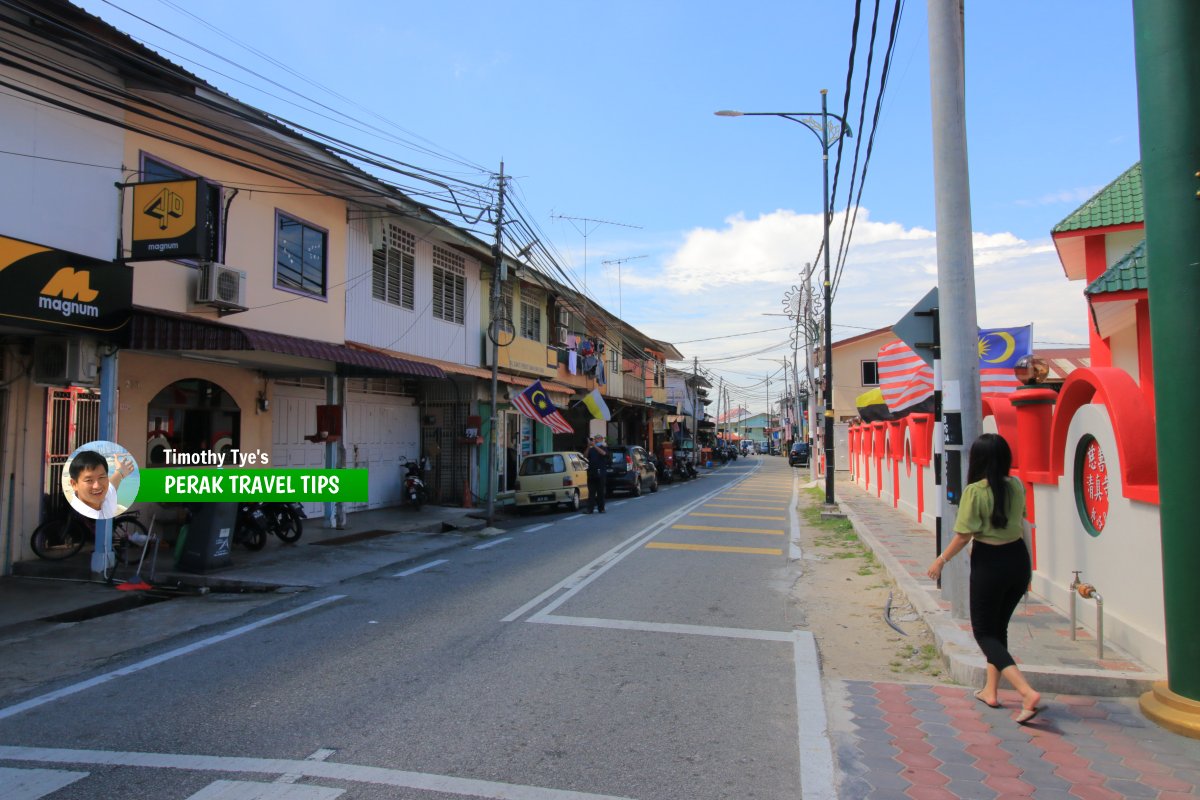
[(904, 378), (535, 404), (999, 351)]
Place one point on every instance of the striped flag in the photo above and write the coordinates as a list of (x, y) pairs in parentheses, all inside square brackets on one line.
[(535, 404), (999, 351), (904, 377)]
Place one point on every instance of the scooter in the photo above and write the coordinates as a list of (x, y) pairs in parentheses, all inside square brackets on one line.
[(414, 487)]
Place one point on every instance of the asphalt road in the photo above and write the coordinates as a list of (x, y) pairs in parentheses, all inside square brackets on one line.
[(645, 653)]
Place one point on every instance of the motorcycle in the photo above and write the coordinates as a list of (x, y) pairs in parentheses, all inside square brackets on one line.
[(414, 487), (285, 520), (252, 526)]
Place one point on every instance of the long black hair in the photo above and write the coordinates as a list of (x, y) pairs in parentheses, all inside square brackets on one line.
[(991, 458)]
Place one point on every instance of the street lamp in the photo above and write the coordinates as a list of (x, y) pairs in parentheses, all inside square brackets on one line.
[(820, 127)]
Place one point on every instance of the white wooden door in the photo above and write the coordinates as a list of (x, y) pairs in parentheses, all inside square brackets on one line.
[(379, 431), (294, 417)]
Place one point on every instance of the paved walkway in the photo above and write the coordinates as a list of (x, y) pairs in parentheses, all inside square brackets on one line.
[(1091, 742), (1040, 634)]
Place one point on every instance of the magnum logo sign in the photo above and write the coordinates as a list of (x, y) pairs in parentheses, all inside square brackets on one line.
[(56, 289), (168, 220)]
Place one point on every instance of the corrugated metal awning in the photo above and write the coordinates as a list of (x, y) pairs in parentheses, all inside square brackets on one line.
[(156, 330)]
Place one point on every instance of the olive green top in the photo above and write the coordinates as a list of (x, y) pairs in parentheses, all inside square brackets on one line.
[(975, 513)]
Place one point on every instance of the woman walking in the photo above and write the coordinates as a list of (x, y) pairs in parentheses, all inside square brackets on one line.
[(991, 514)]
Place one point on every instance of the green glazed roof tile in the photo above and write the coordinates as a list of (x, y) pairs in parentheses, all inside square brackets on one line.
[(1131, 272), (1119, 203)]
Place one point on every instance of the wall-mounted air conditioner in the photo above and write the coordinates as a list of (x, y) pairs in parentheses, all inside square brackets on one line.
[(221, 287), (65, 361)]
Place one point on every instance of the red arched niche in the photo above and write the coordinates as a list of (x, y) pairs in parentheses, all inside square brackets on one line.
[(1132, 420)]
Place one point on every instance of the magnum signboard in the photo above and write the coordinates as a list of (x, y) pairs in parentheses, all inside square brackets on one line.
[(57, 289), (169, 220)]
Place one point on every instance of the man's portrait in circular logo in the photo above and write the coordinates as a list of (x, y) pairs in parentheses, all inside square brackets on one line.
[(101, 480)]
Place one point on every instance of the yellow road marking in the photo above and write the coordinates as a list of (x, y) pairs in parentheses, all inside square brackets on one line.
[(726, 530), (715, 548), (752, 508), (735, 516)]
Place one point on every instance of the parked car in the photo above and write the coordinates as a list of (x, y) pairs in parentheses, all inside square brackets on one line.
[(799, 454), (552, 479), (631, 470)]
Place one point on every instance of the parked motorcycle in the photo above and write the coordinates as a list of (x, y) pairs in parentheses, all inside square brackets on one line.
[(414, 487), (252, 526), (285, 520)]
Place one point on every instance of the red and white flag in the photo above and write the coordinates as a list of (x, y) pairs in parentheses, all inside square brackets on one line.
[(904, 377)]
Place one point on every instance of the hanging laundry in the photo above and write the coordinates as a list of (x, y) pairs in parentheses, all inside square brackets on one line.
[(572, 362)]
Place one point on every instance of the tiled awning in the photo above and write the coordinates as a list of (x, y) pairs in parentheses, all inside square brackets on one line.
[(157, 330)]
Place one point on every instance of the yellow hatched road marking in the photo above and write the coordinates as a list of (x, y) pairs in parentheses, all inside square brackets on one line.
[(726, 530), (735, 516), (715, 548)]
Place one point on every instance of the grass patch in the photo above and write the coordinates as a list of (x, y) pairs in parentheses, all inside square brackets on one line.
[(924, 659)]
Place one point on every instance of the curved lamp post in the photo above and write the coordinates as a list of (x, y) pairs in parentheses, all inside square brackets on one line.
[(828, 133)]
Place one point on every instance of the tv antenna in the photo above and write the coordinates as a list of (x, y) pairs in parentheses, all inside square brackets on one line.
[(589, 225), (619, 262)]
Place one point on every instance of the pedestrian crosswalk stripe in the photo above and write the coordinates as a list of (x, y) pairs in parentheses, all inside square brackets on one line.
[(734, 516), (715, 548), (31, 784), (726, 530)]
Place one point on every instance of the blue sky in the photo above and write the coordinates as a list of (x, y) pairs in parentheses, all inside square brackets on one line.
[(605, 111)]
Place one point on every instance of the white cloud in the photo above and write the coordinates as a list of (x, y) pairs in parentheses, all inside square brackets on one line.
[(721, 282)]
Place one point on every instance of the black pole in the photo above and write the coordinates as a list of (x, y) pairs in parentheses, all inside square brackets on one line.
[(829, 498)]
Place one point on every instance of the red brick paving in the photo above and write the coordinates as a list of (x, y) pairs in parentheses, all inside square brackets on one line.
[(1002, 752)]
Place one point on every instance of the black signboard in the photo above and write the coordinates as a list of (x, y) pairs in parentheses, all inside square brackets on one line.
[(57, 289), (169, 220)]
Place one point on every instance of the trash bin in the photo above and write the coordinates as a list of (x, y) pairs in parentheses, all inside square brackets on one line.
[(206, 539)]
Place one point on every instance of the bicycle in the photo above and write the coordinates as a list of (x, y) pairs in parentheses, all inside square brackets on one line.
[(63, 536)]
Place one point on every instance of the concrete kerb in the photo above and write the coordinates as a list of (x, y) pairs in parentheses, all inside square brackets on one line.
[(961, 655)]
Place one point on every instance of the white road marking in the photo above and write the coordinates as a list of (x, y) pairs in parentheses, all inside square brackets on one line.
[(325, 770), (533, 528), (426, 565), (588, 572), (320, 755), (665, 627), (31, 784), (573, 516), (618, 503), (248, 790), (67, 691), (816, 755), (492, 543)]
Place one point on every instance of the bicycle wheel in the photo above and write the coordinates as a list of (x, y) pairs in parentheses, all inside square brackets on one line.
[(56, 539), (128, 537)]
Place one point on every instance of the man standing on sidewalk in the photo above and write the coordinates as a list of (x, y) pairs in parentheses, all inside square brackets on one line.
[(597, 474)]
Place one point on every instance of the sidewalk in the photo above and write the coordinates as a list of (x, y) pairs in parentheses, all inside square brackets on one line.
[(1040, 635), (937, 742), (39, 591)]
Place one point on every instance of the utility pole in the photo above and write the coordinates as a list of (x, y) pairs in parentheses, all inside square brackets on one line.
[(1168, 71), (962, 412), (695, 402), (494, 335)]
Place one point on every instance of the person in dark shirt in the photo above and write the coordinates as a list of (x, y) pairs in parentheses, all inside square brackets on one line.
[(597, 474)]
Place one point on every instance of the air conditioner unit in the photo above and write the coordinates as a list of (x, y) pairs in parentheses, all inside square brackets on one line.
[(563, 317), (65, 361), (221, 286)]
